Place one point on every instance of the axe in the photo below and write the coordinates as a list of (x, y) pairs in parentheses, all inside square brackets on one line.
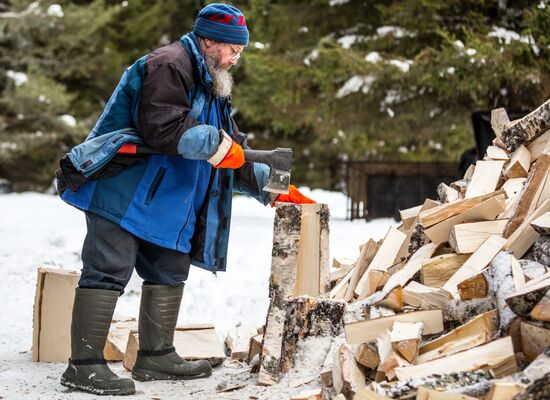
[(279, 160)]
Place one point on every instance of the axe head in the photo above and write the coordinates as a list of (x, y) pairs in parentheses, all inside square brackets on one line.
[(280, 161)]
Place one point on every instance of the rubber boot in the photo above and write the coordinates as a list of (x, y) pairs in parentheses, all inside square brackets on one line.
[(157, 358), (87, 371)]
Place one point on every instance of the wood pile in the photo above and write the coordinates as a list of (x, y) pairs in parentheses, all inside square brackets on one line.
[(454, 303)]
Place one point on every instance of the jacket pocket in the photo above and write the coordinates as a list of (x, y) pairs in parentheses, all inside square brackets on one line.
[(154, 186)]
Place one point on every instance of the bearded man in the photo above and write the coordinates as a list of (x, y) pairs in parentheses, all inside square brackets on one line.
[(161, 209)]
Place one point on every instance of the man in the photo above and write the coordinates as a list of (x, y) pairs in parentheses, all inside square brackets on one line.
[(159, 212)]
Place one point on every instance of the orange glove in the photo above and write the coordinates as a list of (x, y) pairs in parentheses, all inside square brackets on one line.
[(294, 196), (234, 158), (229, 154)]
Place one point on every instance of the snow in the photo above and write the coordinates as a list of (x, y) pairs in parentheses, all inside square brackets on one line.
[(55, 10), (507, 36), (334, 3), (395, 31), (19, 78), (41, 230), (356, 83), (373, 57), (68, 120), (403, 66), (259, 45), (349, 40)]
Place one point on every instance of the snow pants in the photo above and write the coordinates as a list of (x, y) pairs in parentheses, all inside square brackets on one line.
[(110, 254)]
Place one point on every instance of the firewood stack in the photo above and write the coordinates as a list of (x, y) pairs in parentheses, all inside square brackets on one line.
[(454, 302)]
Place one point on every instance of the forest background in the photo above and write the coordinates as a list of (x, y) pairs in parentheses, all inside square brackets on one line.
[(336, 80)]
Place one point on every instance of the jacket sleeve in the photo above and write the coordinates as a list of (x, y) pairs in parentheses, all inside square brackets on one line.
[(251, 177), (163, 114)]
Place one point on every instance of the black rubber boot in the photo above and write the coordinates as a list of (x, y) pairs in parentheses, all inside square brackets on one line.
[(87, 371), (157, 358)]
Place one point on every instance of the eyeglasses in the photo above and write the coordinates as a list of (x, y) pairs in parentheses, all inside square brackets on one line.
[(235, 55)]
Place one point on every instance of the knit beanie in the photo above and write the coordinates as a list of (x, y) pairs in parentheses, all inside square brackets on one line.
[(222, 23)]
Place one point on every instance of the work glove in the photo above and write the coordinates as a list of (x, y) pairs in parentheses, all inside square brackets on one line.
[(229, 154), (293, 196)]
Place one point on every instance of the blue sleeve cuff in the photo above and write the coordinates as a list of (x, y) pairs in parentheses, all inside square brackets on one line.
[(199, 143)]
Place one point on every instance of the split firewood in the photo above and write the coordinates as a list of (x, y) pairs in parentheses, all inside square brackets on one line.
[(528, 128), (385, 257), (389, 359), (535, 190), (340, 273), (539, 389), (425, 297), (541, 250), (405, 339), (517, 273), (447, 194), (255, 347), (442, 212), (501, 285), (542, 224), (467, 238), (475, 264), (469, 172), (541, 311), (534, 339), (462, 184), (376, 280), (117, 339), (374, 312), (532, 269), (497, 355), (475, 287), (438, 270), (366, 354), (540, 146), (497, 153), (524, 300), (365, 331), (485, 179), (409, 215), (525, 236), (513, 186), (499, 122), (326, 369), (486, 210), (340, 289), (504, 390), (238, 340), (519, 164), (347, 375), (342, 262), (429, 394), (393, 300), (462, 311), (368, 251)]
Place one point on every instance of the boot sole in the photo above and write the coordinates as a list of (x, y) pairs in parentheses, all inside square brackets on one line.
[(144, 375), (100, 392)]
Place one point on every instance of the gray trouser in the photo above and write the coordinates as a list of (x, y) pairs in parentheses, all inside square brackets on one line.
[(110, 253)]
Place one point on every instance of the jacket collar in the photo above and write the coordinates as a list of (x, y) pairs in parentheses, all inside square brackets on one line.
[(190, 42)]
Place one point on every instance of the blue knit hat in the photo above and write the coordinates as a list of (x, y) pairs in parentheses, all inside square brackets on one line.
[(222, 23)]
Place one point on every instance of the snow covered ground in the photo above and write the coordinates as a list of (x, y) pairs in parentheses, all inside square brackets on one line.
[(40, 230)]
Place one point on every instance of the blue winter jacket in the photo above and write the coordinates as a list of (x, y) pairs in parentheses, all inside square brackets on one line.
[(175, 199)]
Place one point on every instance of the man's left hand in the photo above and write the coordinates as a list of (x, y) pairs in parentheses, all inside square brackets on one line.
[(294, 196)]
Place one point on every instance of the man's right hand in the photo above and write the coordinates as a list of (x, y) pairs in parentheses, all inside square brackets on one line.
[(230, 154)]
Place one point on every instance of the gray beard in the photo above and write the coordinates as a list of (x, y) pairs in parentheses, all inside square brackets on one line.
[(221, 79)]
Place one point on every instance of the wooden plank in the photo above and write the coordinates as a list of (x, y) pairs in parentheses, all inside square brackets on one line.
[(442, 212), (238, 340), (405, 339), (497, 355), (534, 339), (518, 167), (484, 211), (52, 314), (365, 331), (535, 190), (475, 264), (485, 179), (384, 258), (368, 251), (417, 295), (438, 270), (542, 224), (467, 238), (525, 236), (528, 128)]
